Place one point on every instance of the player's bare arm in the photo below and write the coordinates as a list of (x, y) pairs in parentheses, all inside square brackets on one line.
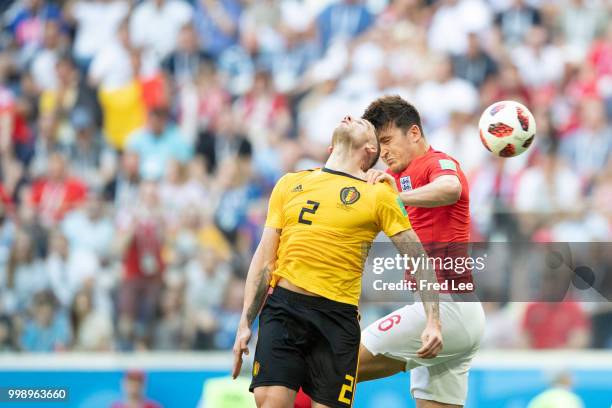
[(407, 243), (444, 190), (256, 288), (372, 366)]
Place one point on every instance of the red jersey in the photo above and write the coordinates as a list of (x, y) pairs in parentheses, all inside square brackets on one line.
[(450, 223), (446, 224)]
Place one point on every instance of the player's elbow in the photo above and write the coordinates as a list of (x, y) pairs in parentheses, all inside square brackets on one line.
[(452, 191)]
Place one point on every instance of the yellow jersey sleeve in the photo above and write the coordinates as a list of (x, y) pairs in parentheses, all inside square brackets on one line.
[(275, 205), (391, 215)]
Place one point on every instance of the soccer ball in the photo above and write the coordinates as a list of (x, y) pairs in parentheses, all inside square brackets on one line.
[(507, 128)]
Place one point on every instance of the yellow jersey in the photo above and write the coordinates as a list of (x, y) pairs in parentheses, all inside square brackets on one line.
[(328, 219)]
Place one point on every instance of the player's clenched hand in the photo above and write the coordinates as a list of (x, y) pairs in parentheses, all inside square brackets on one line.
[(374, 176), (432, 341), (243, 335)]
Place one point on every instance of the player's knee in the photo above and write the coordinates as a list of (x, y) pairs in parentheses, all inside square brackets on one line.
[(372, 367), (364, 368), (421, 403)]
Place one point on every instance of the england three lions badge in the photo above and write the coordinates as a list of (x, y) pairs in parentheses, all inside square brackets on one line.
[(405, 183)]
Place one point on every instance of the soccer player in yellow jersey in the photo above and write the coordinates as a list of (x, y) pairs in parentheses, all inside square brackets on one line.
[(311, 253)]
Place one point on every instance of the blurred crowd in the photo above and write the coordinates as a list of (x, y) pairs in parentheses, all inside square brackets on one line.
[(139, 141)]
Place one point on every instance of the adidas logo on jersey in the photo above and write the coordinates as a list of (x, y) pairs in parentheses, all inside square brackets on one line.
[(297, 189)]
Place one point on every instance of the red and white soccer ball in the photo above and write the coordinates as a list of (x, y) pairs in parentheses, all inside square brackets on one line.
[(507, 128)]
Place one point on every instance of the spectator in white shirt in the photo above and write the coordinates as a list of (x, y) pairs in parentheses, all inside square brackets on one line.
[(44, 62), (23, 276), (581, 23), (176, 193), (68, 270), (589, 148), (89, 228), (207, 281), (155, 24), (539, 62), (92, 328), (437, 98), (515, 21), (453, 21), (120, 62), (548, 187), (112, 66), (96, 23)]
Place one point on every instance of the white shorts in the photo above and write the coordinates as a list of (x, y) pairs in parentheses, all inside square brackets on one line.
[(443, 378)]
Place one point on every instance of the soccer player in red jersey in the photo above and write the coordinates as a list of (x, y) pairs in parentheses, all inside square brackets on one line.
[(435, 192)]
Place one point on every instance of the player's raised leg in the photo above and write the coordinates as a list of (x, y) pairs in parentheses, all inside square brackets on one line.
[(392, 344), (373, 366)]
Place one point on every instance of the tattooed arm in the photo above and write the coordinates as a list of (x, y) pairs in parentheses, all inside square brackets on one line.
[(259, 275), (407, 243), (256, 288)]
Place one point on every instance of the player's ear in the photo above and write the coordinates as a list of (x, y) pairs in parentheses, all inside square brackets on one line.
[(330, 149), (414, 133)]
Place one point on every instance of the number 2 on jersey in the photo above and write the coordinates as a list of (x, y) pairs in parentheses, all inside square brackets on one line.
[(315, 206)]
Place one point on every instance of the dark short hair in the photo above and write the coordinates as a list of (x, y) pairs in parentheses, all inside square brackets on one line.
[(392, 110)]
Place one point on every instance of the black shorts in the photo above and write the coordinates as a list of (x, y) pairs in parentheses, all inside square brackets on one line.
[(309, 342)]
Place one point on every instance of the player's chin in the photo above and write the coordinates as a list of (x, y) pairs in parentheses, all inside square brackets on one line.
[(393, 166)]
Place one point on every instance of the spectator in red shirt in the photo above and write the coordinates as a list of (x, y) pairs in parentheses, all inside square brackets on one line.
[(56, 193), (140, 243), (134, 389), (600, 54), (555, 320), (555, 325)]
